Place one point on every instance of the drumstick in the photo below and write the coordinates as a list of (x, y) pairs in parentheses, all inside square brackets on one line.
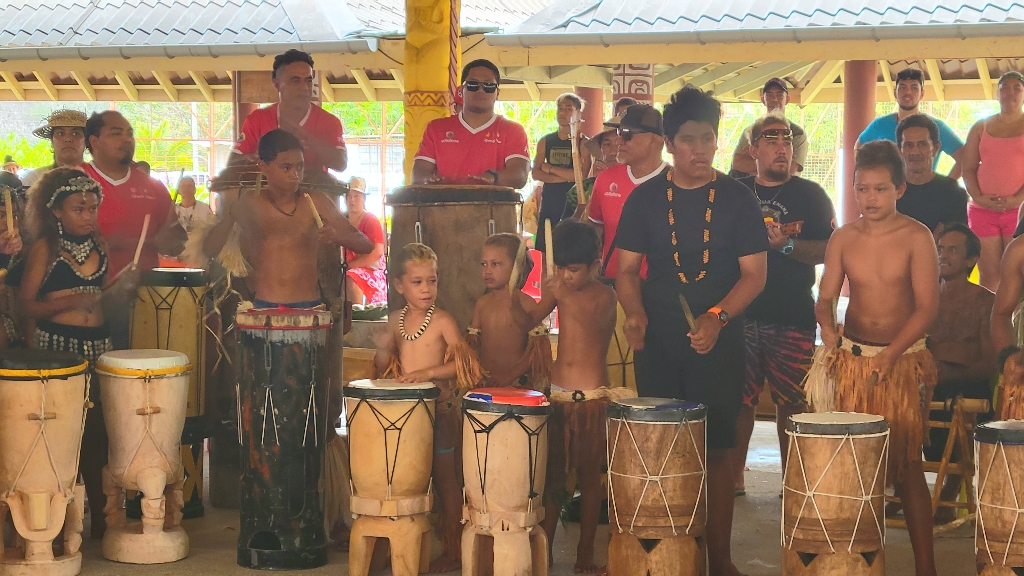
[(577, 164), (516, 267), (10, 212), (142, 240), (319, 222), (689, 314), (549, 254)]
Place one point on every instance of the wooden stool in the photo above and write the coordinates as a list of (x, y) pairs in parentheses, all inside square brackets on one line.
[(410, 543), (507, 545), (673, 556)]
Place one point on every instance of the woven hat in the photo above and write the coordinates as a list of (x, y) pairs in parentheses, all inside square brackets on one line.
[(357, 184), (60, 118), (593, 145)]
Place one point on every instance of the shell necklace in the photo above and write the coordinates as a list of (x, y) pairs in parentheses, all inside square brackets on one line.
[(423, 328)]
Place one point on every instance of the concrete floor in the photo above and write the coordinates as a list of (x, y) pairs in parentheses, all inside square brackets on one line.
[(755, 535)]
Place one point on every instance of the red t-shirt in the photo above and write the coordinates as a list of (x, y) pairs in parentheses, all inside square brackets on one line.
[(611, 189), (460, 151), (318, 122), (370, 226), (125, 205)]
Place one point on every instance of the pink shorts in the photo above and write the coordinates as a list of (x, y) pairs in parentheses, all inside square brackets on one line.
[(988, 223)]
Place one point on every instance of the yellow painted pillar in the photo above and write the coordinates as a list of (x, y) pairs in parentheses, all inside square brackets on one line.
[(432, 67)]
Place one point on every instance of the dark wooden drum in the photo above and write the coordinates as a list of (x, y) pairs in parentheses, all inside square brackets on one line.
[(454, 221)]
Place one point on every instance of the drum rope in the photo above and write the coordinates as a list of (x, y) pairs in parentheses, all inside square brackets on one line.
[(148, 433), (398, 424), (41, 435), (311, 405), (238, 409), (533, 455), (268, 402), (418, 227), (85, 413), (490, 223), (864, 499), (982, 505)]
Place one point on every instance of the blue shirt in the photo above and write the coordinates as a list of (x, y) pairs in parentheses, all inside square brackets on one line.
[(884, 128)]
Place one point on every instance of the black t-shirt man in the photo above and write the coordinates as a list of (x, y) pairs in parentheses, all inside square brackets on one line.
[(801, 204), (940, 201)]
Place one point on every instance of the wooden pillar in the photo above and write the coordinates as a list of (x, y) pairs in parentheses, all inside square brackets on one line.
[(593, 112), (635, 81), (239, 107), (859, 80), (432, 67)]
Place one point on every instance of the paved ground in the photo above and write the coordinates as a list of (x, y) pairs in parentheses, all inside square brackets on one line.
[(755, 538)]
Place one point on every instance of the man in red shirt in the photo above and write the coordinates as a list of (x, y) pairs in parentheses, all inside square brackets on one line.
[(318, 130), (640, 142), (128, 196), (476, 146)]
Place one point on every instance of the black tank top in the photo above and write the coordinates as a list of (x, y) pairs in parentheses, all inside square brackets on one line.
[(557, 152)]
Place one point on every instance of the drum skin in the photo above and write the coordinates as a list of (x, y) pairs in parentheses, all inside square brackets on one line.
[(454, 223), (1000, 468)]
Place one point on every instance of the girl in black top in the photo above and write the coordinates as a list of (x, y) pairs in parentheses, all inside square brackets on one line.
[(553, 164)]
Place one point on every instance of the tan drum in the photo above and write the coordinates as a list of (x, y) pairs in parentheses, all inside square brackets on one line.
[(504, 463), (833, 503), (999, 531), (43, 399), (454, 221), (144, 395)]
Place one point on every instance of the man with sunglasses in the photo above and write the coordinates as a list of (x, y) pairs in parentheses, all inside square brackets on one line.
[(909, 92), (475, 146), (774, 96), (779, 323)]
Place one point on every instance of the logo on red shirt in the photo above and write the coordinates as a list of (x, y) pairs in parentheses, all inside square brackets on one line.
[(449, 137), (613, 190)]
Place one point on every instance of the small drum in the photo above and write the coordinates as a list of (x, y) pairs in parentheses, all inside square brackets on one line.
[(43, 400), (999, 532), (391, 434), (656, 467), (834, 494), (282, 406), (169, 314), (144, 396), (454, 221)]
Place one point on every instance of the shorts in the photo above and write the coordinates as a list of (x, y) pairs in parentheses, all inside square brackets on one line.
[(988, 223), (668, 367), (781, 356)]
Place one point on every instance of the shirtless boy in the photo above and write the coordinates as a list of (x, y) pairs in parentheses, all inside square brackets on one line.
[(579, 380), (881, 364), (422, 344), (279, 236)]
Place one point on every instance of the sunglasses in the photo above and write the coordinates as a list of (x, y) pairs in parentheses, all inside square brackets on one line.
[(627, 133), (489, 87), (777, 133)]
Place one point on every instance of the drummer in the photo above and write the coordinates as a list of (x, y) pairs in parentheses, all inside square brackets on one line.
[(476, 146), (319, 131), (278, 229)]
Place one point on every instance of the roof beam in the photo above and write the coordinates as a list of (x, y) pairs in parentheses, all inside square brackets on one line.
[(399, 75), (202, 84), (326, 89), (743, 83), (709, 77), (824, 76), (13, 84), (44, 80), (935, 79), (364, 84), (675, 72), (887, 79), (985, 77), (127, 85), (83, 83), (165, 82), (532, 90)]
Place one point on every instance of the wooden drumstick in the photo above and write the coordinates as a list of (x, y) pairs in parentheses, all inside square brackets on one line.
[(10, 212), (549, 253), (516, 267), (688, 313), (577, 163), (142, 240), (319, 222)]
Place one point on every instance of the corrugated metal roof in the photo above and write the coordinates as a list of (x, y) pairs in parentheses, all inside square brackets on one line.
[(616, 16), (389, 15)]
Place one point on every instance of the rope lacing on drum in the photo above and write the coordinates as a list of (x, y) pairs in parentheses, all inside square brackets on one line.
[(982, 505), (268, 397), (311, 405), (41, 435), (648, 478), (533, 437), (398, 424), (864, 499), (147, 380)]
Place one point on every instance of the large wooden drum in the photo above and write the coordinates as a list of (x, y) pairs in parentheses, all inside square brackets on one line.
[(834, 494), (454, 221), (43, 399), (999, 532)]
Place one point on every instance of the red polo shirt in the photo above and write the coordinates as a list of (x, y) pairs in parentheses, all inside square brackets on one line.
[(318, 122), (460, 151), (611, 189)]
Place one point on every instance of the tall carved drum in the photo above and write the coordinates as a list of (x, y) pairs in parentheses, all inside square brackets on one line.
[(504, 463), (999, 531), (43, 399), (282, 397), (454, 221), (657, 495), (169, 314), (833, 519), (391, 433), (144, 397)]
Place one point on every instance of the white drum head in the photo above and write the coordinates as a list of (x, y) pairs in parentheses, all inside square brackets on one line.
[(838, 418), (836, 423), (389, 385), (142, 360)]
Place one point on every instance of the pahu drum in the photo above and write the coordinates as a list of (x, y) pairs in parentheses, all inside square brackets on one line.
[(504, 463), (144, 396), (282, 396), (833, 503), (391, 433), (44, 396), (999, 531), (454, 221), (657, 494), (169, 314)]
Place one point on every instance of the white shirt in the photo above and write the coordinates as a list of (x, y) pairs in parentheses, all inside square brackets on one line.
[(193, 215)]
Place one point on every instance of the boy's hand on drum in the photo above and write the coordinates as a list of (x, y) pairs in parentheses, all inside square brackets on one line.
[(635, 328), (706, 336), (415, 377)]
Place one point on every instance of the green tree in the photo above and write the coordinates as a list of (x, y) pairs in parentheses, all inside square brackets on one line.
[(27, 152)]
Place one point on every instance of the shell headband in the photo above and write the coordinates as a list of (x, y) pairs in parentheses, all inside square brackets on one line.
[(81, 184)]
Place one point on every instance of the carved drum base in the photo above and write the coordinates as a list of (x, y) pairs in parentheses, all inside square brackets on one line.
[(132, 545), (410, 543), (672, 556), (848, 563), (34, 556), (517, 551)]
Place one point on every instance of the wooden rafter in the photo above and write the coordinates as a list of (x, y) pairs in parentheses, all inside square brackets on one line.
[(202, 84), (935, 79), (825, 75), (748, 80), (532, 90), (985, 77), (399, 75), (364, 84), (165, 82), (711, 76), (675, 73), (44, 80), (887, 79), (326, 89), (127, 85), (83, 83), (13, 84)]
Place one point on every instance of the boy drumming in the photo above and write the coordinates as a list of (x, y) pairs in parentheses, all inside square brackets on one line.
[(880, 364)]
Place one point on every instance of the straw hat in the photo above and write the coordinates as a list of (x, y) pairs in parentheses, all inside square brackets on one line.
[(357, 184), (593, 145), (59, 118)]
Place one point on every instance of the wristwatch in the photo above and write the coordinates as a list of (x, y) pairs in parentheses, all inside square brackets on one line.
[(788, 248), (722, 315), (494, 175)]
